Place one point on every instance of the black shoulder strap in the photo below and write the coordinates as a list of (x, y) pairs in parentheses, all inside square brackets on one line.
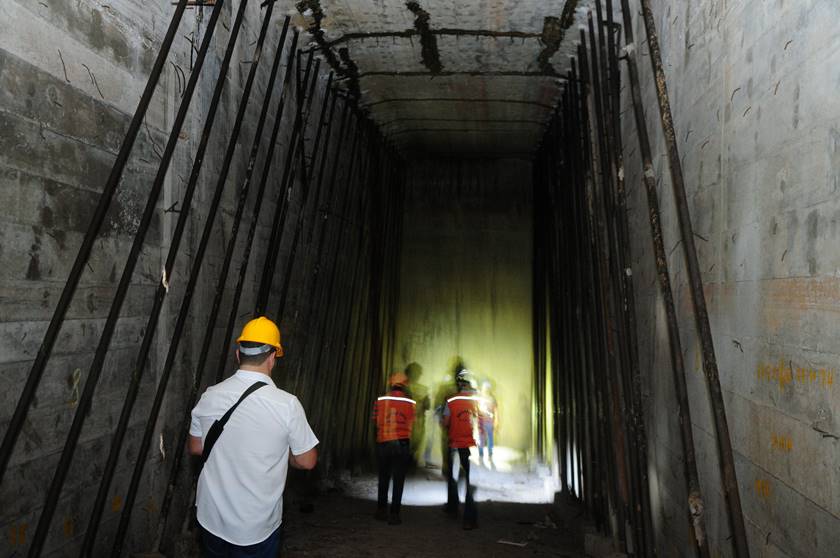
[(251, 389), (219, 425)]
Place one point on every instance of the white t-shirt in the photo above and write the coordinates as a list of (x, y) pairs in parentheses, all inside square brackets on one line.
[(240, 489)]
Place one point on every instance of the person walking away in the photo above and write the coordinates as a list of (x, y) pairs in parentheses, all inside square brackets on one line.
[(248, 433), (488, 417), (420, 450), (459, 419), (393, 416)]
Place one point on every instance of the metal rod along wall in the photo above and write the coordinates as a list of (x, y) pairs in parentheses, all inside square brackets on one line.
[(44, 351), (252, 229), (694, 498), (86, 398), (695, 282), (585, 313), (215, 308), (197, 264), (162, 289), (353, 244)]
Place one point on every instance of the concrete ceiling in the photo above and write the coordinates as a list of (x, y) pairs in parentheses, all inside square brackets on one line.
[(461, 78)]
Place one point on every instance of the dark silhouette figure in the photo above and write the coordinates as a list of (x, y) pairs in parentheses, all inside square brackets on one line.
[(420, 394)]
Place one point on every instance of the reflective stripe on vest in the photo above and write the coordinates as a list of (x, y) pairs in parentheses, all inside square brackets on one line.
[(463, 397), (392, 398)]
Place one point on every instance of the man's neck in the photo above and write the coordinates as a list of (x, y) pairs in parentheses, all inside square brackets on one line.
[(258, 370)]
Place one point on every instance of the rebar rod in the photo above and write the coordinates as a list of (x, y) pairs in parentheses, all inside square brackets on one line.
[(359, 338), (611, 77), (589, 87), (332, 383), (312, 282), (290, 261), (578, 191), (279, 221), (623, 288), (342, 395), (358, 341), (316, 291), (160, 294), (695, 282), (198, 160), (624, 271), (328, 292), (317, 215), (249, 241), (695, 499), (178, 449), (84, 403), (33, 379)]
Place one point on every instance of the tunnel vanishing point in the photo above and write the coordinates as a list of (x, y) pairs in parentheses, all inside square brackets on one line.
[(622, 213)]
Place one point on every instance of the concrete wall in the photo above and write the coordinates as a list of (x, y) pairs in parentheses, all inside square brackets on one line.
[(466, 282), (71, 74), (753, 92)]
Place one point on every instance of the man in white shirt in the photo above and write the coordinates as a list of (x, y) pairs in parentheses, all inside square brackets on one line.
[(240, 489)]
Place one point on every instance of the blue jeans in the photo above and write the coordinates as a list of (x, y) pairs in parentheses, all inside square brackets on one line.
[(486, 435), (216, 547)]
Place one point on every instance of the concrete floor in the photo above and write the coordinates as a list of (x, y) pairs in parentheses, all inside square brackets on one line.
[(342, 523)]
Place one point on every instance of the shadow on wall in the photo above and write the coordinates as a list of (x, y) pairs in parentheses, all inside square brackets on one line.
[(466, 291)]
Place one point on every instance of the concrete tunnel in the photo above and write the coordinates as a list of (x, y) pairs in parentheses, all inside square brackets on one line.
[(619, 214)]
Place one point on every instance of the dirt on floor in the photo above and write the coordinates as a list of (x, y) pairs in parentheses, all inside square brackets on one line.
[(343, 526)]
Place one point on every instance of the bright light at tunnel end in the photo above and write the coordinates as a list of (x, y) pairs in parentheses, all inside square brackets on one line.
[(508, 478)]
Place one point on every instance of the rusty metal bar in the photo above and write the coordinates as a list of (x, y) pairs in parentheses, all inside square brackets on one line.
[(695, 497), (612, 102), (589, 94), (695, 281), (622, 277)]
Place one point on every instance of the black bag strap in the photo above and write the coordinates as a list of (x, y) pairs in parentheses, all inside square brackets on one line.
[(219, 425)]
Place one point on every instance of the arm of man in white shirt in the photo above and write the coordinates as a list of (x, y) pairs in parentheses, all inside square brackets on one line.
[(306, 460), (196, 446), (302, 441)]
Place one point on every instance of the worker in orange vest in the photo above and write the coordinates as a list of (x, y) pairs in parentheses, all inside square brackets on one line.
[(460, 419), (393, 415)]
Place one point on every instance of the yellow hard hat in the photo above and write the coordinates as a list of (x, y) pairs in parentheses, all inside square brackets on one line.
[(398, 379), (260, 330)]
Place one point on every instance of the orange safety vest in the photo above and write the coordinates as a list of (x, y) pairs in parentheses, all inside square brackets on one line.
[(463, 412), (394, 416)]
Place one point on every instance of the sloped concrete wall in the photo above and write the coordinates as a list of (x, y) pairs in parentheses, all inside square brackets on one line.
[(71, 74), (753, 92), (465, 290)]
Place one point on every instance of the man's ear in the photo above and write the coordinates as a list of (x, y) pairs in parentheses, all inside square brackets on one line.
[(237, 356)]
